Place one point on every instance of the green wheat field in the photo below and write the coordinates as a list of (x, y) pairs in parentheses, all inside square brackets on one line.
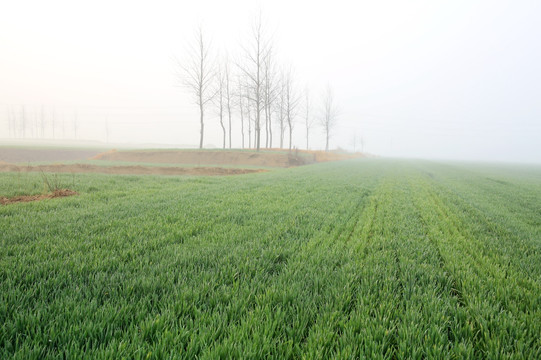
[(368, 258)]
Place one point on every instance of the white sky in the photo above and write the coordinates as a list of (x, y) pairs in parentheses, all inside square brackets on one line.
[(429, 79)]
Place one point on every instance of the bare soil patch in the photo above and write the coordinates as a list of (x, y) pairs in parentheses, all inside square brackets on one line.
[(16, 155), (322, 156), (208, 157), (28, 198), (127, 170)]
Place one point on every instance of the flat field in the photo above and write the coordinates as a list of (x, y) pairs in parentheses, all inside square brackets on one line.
[(362, 258)]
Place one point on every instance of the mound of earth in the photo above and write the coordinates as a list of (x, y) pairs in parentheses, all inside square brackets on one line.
[(127, 170), (208, 157), (16, 155), (28, 198)]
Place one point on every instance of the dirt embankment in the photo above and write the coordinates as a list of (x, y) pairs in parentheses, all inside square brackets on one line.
[(28, 198), (325, 156), (127, 170), (16, 155), (209, 157)]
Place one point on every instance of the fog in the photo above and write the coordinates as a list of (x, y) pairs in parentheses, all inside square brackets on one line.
[(423, 79)]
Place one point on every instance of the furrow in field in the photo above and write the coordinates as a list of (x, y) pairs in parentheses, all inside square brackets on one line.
[(313, 277), (504, 218), (504, 313), (341, 320), (494, 245), (427, 309)]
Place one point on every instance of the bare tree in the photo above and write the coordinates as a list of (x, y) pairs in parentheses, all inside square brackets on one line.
[(329, 115), (107, 130), (357, 140), (270, 95), (255, 53), (197, 76), (228, 94), (291, 102), (53, 121), (249, 113), (23, 122), (308, 118), (281, 109), (42, 121), (10, 126), (241, 106), (354, 141), (220, 98), (34, 122), (75, 125)]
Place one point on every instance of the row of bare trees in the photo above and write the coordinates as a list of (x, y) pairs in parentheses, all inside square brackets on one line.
[(262, 94), (40, 122)]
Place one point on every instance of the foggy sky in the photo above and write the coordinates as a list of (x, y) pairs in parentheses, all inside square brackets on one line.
[(426, 79)]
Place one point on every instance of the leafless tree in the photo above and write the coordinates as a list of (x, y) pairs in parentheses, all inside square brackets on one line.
[(23, 121), (228, 94), (240, 103), (354, 141), (42, 121), (197, 76), (291, 103), (270, 95), (34, 123), (329, 115), (53, 121), (10, 126), (220, 97), (75, 124), (308, 118), (357, 140), (107, 130), (249, 113), (281, 109), (252, 67)]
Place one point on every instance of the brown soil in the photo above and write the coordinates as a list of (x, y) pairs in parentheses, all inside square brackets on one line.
[(322, 156), (28, 198), (140, 170), (15, 155), (208, 157)]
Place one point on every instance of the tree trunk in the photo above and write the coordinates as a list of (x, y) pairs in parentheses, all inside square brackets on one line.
[(281, 136), (202, 126), (266, 127), (242, 126), (249, 130), (327, 141), (258, 128), (229, 114), (223, 127), (290, 135), (270, 130)]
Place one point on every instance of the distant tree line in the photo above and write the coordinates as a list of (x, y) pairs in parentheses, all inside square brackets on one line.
[(262, 94), (40, 122)]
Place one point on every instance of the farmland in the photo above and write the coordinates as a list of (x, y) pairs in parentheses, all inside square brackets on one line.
[(364, 258)]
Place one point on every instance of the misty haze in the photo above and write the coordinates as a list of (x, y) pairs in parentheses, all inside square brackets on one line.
[(270, 179)]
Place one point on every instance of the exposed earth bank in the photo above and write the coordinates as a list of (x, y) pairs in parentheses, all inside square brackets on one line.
[(127, 170), (210, 157)]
